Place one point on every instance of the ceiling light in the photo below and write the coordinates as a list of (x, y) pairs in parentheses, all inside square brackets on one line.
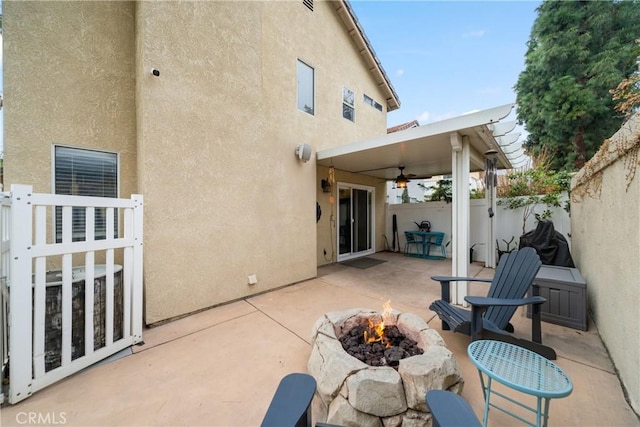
[(401, 180)]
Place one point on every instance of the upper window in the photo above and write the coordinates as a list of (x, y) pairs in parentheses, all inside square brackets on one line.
[(348, 104), (374, 104), (305, 88), (80, 172)]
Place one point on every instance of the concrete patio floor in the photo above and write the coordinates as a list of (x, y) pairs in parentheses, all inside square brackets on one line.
[(220, 367)]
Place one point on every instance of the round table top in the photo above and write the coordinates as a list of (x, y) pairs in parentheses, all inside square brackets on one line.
[(520, 369)]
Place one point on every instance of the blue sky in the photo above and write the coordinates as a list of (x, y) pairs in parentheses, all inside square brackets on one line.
[(448, 58), (1, 90)]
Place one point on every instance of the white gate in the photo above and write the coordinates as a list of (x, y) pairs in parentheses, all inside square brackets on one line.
[(56, 323)]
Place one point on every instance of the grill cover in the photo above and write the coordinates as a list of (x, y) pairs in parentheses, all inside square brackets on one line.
[(551, 246)]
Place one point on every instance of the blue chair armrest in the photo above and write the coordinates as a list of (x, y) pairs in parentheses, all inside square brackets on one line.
[(488, 302), (445, 281), (480, 304), (457, 279)]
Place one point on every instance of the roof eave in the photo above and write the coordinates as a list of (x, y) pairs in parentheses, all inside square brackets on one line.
[(344, 10)]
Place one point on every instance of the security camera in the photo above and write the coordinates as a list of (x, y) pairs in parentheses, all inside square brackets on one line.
[(155, 72)]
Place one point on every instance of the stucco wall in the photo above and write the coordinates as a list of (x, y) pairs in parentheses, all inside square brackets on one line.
[(225, 196), (68, 79), (605, 224), (209, 142)]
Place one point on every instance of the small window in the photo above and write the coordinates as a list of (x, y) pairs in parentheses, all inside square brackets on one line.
[(348, 104), (80, 172), (374, 104), (309, 4), (305, 88)]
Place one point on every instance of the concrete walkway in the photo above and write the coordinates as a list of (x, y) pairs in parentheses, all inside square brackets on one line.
[(220, 367)]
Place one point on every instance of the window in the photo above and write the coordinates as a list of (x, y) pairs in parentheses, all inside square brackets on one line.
[(374, 104), (309, 4), (305, 88), (80, 172), (348, 104)]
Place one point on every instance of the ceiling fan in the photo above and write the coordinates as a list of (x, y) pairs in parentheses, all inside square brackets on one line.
[(402, 179)]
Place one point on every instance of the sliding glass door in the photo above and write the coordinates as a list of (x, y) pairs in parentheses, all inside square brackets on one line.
[(355, 221)]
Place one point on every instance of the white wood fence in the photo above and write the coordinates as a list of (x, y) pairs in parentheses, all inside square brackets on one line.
[(30, 246), (509, 223)]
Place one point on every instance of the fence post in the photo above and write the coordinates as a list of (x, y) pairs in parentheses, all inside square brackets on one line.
[(136, 300), (5, 222), (20, 294)]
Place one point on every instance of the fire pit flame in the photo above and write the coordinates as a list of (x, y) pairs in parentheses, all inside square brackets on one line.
[(376, 331), (376, 334)]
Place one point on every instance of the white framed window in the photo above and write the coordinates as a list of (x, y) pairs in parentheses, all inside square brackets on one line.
[(372, 102), (83, 172), (306, 88), (348, 104)]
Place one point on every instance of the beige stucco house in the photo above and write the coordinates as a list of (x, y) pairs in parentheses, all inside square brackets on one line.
[(200, 107)]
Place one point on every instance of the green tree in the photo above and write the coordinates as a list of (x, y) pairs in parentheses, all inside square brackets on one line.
[(577, 52), (405, 196), (442, 191)]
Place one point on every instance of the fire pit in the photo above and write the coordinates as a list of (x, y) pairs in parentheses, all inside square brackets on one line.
[(354, 393)]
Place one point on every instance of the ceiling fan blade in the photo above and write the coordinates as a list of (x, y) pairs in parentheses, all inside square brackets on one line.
[(376, 169)]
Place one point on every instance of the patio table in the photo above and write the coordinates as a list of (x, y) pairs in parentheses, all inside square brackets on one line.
[(521, 370)]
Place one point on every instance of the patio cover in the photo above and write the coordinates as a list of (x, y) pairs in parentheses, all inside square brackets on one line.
[(455, 146)]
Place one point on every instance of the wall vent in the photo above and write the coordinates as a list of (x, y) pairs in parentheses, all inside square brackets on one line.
[(309, 4)]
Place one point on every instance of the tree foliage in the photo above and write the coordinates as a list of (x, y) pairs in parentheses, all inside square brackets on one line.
[(538, 186), (627, 93), (577, 52), (442, 191), (405, 196)]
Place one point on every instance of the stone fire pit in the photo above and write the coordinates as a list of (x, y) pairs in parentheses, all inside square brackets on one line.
[(354, 393)]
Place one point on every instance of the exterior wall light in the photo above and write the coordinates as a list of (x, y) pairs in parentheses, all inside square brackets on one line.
[(303, 152)]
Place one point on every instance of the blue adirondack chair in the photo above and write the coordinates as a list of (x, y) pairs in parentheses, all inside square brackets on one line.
[(450, 410), (489, 316), (291, 403)]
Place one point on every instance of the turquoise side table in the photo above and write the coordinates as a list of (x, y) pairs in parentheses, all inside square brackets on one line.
[(521, 370)]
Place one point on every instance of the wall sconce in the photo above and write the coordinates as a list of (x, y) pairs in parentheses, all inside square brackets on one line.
[(326, 186), (303, 152)]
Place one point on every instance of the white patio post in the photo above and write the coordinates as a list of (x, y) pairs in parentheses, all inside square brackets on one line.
[(460, 218)]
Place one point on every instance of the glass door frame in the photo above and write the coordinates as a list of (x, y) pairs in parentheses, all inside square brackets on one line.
[(371, 215)]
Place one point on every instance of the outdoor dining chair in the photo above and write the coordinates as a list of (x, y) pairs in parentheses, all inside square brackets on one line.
[(411, 241)]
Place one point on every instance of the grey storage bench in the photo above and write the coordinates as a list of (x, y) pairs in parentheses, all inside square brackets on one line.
[(566, 294)]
